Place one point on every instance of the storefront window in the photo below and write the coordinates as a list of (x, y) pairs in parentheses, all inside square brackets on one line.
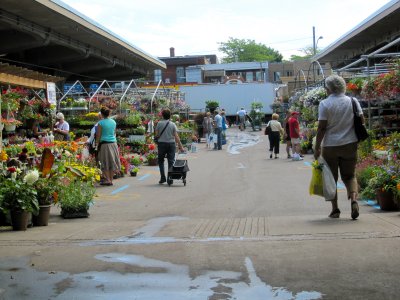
[(249, 76)]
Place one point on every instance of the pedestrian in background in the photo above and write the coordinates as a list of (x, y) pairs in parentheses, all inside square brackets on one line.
[(106, 145), (61, 128), (218, 130), (338, 139), (275, 135), (168, 137), (294, 130), (208, 129), (286, 136)]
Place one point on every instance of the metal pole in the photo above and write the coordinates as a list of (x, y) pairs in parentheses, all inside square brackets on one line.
[(369, 101), (313, 38)]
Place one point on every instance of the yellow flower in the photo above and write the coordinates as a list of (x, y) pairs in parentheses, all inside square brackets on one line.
[(398, 186), (3, 156)]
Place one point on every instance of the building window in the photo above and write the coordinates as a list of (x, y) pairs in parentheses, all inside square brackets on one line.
[(277, 76), (289, 73), (258, 76), (249, 76), (157, 75), (180, 74)]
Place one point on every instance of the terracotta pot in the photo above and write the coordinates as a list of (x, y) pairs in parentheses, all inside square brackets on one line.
[(42, 219), (20, 219), (152, 162), (386, 200)]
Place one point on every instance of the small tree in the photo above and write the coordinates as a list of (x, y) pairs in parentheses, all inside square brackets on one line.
[(211, 105)]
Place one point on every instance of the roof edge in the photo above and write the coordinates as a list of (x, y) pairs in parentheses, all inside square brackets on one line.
[(69, 12), (373, 18)]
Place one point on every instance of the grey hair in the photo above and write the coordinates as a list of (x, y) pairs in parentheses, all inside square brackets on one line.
[(335, 84)]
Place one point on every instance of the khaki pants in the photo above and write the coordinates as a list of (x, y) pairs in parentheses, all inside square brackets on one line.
[(343, 158)]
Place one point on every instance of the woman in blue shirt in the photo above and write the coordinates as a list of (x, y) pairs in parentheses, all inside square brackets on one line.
[(107, 148)]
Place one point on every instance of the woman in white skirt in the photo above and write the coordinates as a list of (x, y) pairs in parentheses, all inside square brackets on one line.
[(107, 148)]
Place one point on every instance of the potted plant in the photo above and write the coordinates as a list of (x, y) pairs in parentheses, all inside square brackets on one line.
[(10, 123), (19, 198), (75, 197), (385, 182), (134, 171), (152, 158), (46, 188)]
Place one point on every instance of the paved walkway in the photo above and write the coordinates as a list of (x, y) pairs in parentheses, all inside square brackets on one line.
[(244, 227)]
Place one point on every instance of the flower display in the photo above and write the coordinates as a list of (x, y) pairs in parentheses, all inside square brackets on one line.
[(31, 177)]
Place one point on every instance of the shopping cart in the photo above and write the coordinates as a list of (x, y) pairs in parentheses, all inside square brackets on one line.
[(178, 170)]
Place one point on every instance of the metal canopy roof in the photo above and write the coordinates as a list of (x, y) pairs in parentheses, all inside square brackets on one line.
[(376, 31), (49, 33)]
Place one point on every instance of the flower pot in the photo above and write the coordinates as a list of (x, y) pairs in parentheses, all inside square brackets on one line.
[(42, 219), (133, 174), (152, 161), (386, 200), (20, 219), (10, 127), (72, 214)]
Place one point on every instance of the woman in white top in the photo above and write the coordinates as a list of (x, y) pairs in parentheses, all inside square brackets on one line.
[(338, 139), (274, 137)]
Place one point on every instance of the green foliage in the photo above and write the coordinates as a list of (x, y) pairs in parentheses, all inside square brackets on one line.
[(256, 105), (76, 196), (133, 119), (248, 50), (211, 105), (307, 51), (18, 195)]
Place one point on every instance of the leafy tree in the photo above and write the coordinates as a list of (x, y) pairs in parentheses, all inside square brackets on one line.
[(308, 52), (211, 105), (248, 50)]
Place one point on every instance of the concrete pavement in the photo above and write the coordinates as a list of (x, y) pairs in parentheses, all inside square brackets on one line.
[(244, 227)]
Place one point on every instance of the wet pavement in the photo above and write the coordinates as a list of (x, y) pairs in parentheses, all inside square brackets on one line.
[(244, 227)]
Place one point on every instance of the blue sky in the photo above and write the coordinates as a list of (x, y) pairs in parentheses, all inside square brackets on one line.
[(197, 27)]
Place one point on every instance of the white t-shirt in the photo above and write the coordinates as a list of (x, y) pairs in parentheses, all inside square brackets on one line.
[(338, 111), (275, 125), (241, 113)]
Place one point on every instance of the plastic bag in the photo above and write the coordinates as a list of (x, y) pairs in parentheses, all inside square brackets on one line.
[(329, 183), (316, 184), (85, 154)]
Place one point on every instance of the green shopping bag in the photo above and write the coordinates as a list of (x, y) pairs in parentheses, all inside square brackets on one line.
[(316, 184)]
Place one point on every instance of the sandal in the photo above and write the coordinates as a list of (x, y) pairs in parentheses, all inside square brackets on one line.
[(335, 214), (354, 210)]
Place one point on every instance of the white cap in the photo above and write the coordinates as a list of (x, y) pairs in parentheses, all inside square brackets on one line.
[(59, 116)]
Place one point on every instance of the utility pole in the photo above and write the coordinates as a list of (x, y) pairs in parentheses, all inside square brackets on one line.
[(313, 38)]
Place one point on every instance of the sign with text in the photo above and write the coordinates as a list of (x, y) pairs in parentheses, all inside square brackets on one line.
[(51, 92)]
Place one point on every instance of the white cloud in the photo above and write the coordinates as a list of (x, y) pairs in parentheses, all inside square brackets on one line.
[(194, 27)]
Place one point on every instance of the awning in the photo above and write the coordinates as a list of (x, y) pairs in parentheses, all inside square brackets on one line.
[(10, 74), (214, 73)]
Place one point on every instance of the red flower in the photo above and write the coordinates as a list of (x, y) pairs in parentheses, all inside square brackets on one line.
[(151, 147), (11, 169)]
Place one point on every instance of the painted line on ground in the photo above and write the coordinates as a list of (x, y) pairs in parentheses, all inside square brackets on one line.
[(124, 187), (144, 177), (307, 163), (372, 203)]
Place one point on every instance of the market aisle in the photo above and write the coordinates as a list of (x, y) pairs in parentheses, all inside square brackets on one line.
[(244, 227)]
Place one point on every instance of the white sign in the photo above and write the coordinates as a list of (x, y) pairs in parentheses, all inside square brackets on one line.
[(51, 92)]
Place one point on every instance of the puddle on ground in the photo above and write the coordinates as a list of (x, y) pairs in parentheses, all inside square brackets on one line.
[(173, 283), (241, 140), (19, 280)]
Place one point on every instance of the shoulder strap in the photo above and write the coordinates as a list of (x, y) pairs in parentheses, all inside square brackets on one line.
[(166, 125), (353, 104)]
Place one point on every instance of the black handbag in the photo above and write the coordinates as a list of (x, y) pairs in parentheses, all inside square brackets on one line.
[(268, 129), (361, 131)]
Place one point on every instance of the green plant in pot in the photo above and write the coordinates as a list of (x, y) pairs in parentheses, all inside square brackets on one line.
[(19, 197), (75, 198), (46, 188)]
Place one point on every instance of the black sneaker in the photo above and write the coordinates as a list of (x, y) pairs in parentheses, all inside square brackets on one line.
[(162, 180)]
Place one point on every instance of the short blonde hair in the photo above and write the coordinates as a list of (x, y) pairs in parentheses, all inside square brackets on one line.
[(275, 116)]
